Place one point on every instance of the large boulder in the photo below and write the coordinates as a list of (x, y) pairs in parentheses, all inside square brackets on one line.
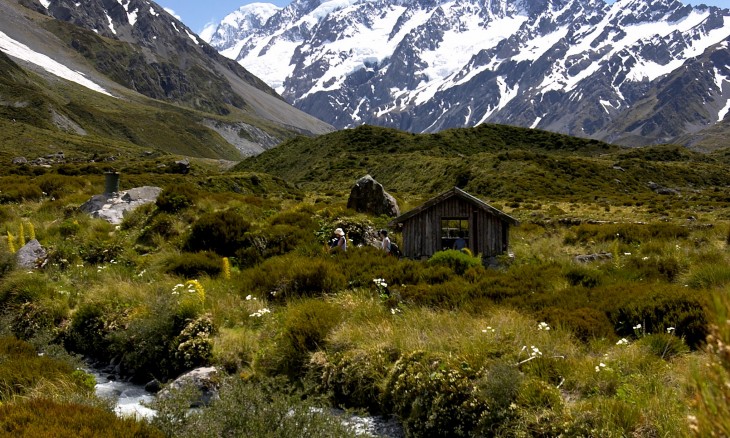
[(31, 255), (368, 196), (112, 207), (205, 379)]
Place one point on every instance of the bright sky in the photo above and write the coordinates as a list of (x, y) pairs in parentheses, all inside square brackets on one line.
[(197, 14)]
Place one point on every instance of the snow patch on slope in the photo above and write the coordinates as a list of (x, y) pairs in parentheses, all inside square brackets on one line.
[(21, 51)]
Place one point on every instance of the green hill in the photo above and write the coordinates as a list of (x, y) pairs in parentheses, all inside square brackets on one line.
[(494, 161)]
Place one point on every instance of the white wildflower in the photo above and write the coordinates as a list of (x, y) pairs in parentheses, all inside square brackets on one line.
[(622, 341), (670, 330), (543, 326)]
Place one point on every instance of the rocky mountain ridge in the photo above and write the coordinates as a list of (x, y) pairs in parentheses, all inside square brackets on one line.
[(632, 72), (139, 56)]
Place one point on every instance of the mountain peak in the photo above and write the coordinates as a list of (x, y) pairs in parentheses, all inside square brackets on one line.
[(580, 67)]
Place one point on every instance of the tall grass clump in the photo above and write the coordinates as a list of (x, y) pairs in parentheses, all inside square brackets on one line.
[(710, 378), (45, 418), (177, 197)]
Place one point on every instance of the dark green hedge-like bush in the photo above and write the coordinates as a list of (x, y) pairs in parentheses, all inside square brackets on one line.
[(177, 197), (586, 323), (223, 232), (295, 276), (193, 265)]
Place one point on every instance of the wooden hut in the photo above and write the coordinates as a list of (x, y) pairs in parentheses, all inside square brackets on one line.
[(437, 224)]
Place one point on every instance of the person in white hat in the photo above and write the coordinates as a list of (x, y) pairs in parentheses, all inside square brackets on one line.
[(341, 239)]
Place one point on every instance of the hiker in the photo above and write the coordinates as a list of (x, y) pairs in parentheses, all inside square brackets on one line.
[(341, 239), (460, 242), (385, 242)]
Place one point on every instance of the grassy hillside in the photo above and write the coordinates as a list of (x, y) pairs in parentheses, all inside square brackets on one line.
[(493, 161), (36, 117)]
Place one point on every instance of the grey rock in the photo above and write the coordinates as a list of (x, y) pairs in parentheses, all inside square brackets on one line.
[(113, 207), (31, 255), (586, 258), (19, 160), (368, 196), (205, 379)]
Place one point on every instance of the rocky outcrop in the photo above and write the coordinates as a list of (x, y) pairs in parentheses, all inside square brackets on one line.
[(113, 206), (31, 255), (368, 196)]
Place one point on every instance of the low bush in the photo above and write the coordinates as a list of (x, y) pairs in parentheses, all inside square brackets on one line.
[(456, 260), (247, 408), (303, 330), (57, 186), (7, 263), (158, 228), (354, 378), (294, 276), (585, 323), (583, 276), (177, 197), (193, 265), (223, 232), (45, 418), (12, 193), (434, 397)]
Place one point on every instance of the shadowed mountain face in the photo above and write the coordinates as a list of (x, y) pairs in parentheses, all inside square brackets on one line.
[(148, 65), (632, 72)]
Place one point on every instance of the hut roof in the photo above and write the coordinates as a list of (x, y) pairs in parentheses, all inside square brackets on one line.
[(462, 195)]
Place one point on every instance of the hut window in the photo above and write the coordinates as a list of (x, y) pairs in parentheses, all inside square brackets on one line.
[(452, 229)]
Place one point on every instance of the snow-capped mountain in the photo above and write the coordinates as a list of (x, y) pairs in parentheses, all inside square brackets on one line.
[(634, 72)]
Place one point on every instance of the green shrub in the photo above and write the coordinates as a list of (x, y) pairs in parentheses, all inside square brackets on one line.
[(57, 186), (148, 343), (499, 389), (303, 330), (434, 397), (159, 226), (22, 287), (11, 193), (275, 240), (89, 330), (97, 251), (194, 344), (31, 319), (46, 418), (69, 227), (7, 263), (177, 197), (583, 276), (250, 409), (456, 260), (354, 377), (656, 309), (295, 276), (193, 265), (223, 232), (585, 323)]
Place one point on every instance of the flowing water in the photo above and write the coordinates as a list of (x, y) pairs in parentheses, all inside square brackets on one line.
[(130, 399)]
